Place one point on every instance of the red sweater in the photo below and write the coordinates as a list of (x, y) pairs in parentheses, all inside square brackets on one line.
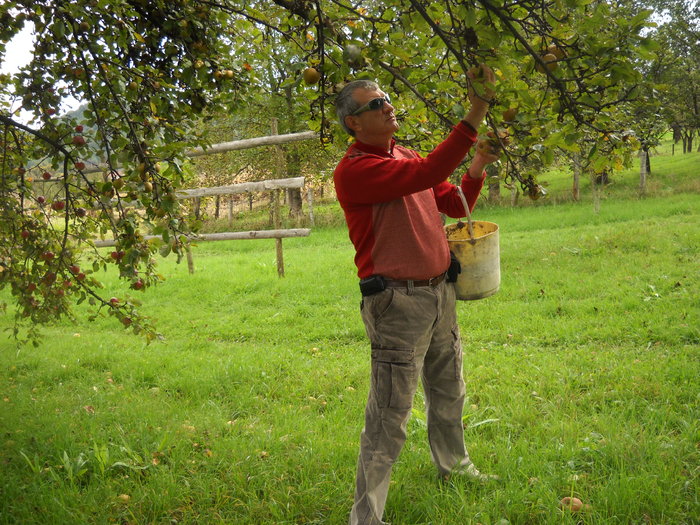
[(392, 203)]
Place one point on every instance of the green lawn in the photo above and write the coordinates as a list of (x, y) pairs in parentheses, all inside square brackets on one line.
[(582, 376)]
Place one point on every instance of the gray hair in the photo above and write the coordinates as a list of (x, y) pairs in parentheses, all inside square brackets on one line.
[(345, 103)]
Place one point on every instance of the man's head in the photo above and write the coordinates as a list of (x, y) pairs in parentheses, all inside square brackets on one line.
[(364, 110)]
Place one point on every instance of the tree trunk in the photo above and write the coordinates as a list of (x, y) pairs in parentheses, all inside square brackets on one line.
[(643, 155), (197, 205), (494, 183), (514, 194), (576, 188), (648, 162), (595, 189), (294, 197)]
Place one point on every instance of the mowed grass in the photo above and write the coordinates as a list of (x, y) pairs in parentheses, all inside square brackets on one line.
[(582, 379)]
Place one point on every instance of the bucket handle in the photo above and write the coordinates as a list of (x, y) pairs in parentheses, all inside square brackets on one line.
[(470, 226)]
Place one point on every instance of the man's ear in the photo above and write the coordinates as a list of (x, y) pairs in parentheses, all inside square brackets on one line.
[(353, 123)]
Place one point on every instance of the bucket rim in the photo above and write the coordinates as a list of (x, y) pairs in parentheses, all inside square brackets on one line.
[(453, 226)]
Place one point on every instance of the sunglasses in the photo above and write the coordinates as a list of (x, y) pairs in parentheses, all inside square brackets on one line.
[(375, 103)]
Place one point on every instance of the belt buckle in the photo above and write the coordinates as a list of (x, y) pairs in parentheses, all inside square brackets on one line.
[(433, 281)]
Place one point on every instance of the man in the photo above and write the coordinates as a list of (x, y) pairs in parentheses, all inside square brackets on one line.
[(392, 199)]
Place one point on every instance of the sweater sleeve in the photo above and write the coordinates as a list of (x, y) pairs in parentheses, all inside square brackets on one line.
[(370, 179), (448, 200)]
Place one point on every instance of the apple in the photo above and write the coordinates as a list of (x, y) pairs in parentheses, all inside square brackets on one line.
[(353, 55), (74, 269), (148, 186), (58, 205), (556, 51), (41, 199), (80, 277), (138, 285), (50, 111), (47, 256), (79, 128), (80, 165), (79, 140), (25, 234), (311, 75), (46, 175), (114, 301), (571, 503), (229, 73), (126, 321), (80, 212), (510, 114), (31, 287), (550, 61)]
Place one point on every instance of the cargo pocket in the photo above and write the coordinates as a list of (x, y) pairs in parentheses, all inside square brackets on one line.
[(393, 374)]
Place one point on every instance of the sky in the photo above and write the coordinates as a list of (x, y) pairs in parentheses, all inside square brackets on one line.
[(18, 53), (19, 50)]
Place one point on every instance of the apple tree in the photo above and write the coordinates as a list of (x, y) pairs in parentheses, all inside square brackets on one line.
[(151, 71), (146, 70)]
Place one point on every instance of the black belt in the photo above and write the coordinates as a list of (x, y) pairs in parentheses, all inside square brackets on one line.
[(434, 281)]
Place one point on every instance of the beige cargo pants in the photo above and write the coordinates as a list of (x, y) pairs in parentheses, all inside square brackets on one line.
[(413, 333)]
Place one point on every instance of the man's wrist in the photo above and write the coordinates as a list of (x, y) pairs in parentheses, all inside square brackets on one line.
[(475, 117)]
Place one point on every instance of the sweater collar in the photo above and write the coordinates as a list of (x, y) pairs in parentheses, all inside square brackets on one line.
[(376, 150)]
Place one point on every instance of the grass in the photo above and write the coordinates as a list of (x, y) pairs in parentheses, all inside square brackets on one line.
[(581, 374)]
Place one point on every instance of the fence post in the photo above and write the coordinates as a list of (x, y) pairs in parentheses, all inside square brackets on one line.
[(276, 221), (310, 198)]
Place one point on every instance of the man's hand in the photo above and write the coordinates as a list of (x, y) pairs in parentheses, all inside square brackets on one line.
[(481, 81), (482, 158)]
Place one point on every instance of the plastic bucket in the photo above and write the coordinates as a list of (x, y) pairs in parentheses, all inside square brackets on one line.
[(476, 246), (479, 257)]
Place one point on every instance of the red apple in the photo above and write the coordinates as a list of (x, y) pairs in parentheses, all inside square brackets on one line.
[(41, 199), (31, 287), (114, 301), (79, 128), (137, 285), (46, 175), (58, 205), (79, 140), (81, 212), (80, 276), (25, 234), (80, 165), (47, 256), (74, 269)]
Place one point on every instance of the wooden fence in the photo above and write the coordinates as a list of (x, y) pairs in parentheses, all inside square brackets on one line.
[(275, 185)]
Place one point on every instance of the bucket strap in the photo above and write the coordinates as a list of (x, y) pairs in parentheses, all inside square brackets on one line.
[(470, 226)]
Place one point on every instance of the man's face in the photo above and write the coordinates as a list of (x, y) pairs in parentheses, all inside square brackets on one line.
[(373, 122)]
